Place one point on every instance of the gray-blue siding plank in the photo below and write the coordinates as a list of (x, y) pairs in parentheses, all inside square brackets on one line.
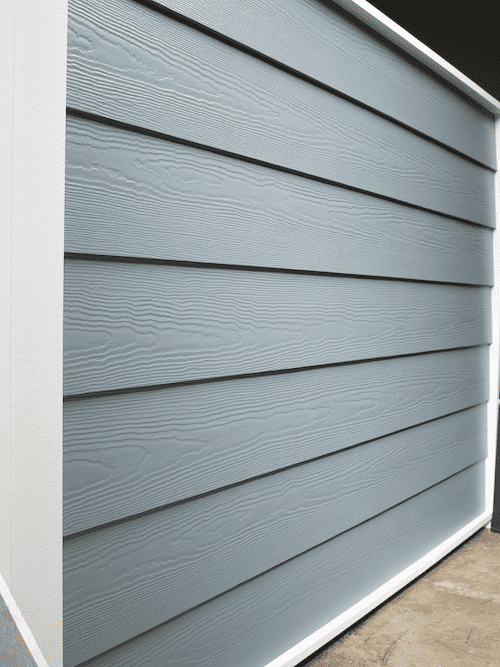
[(323, 42), (168, 562), (133, 195), (256, 622), (129, 453), (132, 64), (130, 325)]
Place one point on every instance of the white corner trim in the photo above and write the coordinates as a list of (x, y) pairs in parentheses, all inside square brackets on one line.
[(6, 133), (33, 56), (310, 644), (22, 626), (385, 26)]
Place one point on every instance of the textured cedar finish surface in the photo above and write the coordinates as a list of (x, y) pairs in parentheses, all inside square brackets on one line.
[(293, 510), (130, 63), (232, 481), (318, 39), (150, 324), (256, 622), (196, 206), (184, 441)]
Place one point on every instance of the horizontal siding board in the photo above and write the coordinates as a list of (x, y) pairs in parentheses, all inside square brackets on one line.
[(133, 195), (167, 562), (130, 63), (129, 453), (254, 623), (308, 34), (129, 325)]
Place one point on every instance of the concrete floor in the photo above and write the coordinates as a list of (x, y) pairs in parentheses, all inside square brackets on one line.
[(448, 617)]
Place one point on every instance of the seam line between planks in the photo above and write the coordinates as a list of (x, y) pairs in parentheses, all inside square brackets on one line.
[(104, 120), (221, 37), (131, 259), (226, 378), (88, 663), (166, 506)]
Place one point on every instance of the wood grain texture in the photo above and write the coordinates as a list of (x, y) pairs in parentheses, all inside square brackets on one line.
[(319, 40), (167, 562), (133, 195), (258, 621), (131, 325), (128, 453), (130, 63)]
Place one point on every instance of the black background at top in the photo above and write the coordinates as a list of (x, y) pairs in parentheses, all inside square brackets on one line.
[(466, 35)]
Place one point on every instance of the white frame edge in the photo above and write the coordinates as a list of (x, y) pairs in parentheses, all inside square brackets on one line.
[(318, 639), (33, 53), (6, 133), (386, 27)]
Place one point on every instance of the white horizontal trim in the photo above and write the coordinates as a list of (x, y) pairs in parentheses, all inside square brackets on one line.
[(335, 627), (22, 626), (385, 26)]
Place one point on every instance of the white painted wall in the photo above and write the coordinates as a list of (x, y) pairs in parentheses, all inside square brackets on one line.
[(33, 39)]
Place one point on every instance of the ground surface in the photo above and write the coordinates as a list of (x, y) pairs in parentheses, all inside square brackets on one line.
[(449, 617)]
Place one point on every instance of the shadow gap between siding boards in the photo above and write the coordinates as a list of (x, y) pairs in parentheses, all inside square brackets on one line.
[(240, 46), (248, 480), (139, 129), (128, 259), (226, 378)]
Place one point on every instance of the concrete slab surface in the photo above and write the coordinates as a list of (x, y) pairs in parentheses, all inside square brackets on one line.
[(448, 617)]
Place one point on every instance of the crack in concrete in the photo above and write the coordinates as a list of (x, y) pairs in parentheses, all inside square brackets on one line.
[(390, 647)]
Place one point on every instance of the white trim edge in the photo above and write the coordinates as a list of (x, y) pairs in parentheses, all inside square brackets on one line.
[(6, 153), (310, 644), (385, 26), (21, 624), (33, 39)]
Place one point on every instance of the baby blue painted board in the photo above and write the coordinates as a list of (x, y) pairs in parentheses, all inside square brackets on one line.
[(256, 622), (133, 195), (132, 64), (132, 325)]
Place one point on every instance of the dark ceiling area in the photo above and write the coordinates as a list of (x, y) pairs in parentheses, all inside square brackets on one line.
[(463, 37)]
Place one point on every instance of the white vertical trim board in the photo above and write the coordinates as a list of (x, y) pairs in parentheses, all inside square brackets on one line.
[(6, 131), (313, 642), (32, 138)]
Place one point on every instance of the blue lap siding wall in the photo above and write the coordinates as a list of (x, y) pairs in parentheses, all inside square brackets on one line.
[(277, 312)]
